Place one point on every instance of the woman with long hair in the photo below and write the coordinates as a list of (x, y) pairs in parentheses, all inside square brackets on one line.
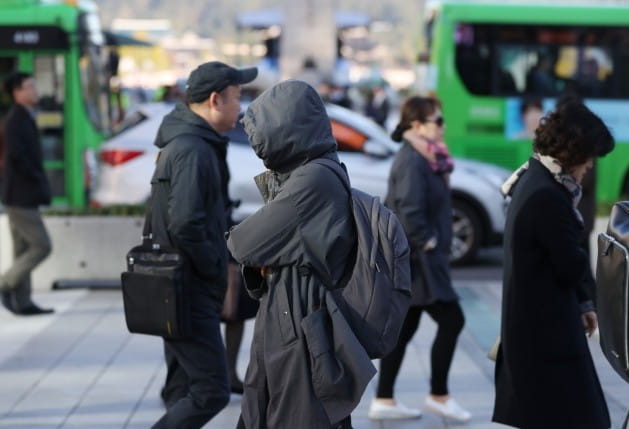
[(419, 194)]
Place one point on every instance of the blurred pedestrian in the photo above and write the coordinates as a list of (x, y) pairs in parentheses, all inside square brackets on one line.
[(306, 226), (545, 376), (189, 211), (340, 96), (25, 188), (378, 106), (238, 307), (419, 195)]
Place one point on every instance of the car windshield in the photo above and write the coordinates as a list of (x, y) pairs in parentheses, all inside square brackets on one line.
[(130, 121)]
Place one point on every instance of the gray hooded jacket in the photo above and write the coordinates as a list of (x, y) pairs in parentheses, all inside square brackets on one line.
[(306, 370), (188, 199)]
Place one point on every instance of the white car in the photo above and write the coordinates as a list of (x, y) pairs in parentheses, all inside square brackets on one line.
[(126, 163)]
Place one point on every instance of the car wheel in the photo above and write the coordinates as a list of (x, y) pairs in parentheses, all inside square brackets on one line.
[(466, 233)]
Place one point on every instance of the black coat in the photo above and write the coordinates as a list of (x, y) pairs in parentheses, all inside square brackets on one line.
[(545, 377), (24, 182), (422, 202), (188, 193), (300, 375)]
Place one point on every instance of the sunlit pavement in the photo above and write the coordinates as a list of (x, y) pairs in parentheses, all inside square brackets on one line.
[(80, 368)]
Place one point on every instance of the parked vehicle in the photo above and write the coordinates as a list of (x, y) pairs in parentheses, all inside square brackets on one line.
[(127, 161)]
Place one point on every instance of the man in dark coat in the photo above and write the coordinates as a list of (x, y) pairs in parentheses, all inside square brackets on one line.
[(300, 375), (25, 187), (189, 203), (545, 376)]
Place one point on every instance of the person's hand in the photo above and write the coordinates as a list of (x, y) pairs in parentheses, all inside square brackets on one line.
[(590, 322)]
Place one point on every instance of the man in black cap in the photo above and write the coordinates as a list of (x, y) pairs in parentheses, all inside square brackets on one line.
[(189, 210)]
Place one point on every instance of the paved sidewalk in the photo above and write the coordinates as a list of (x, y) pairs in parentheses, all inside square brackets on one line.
[(80, 368)]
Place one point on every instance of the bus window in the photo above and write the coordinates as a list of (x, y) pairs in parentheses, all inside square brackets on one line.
[(542, 60), (473, 57), (49, 75), (94, 73), (514, 61)]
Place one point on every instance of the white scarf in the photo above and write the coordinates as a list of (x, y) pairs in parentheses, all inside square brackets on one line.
[(566, 179)]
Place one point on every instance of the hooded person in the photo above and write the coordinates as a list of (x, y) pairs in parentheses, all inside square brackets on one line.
[(306, 369), (190, 209)]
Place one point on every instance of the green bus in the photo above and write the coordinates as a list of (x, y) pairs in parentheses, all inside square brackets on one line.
[(498, 67), (61, 43)]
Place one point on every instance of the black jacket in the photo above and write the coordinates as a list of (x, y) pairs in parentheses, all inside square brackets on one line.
[(421, 200), (188, 198), (545, 377), (299, 375), (24, 182)]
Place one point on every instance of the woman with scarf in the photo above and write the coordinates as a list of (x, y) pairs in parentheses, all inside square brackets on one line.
[(545, 377), (419, 194)]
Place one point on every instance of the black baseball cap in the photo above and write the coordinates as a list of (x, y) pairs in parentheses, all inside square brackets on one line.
[(215, 76)]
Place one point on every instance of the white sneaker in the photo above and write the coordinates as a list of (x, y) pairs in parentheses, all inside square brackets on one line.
[(380, 411), (450, 409)]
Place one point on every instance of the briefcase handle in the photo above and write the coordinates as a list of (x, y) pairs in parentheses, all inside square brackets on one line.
[(147, 231)]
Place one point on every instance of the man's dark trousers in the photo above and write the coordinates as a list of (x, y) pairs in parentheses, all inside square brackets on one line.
[(202, 367)]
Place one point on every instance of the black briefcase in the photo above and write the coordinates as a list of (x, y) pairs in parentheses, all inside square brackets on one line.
[(154, 291)]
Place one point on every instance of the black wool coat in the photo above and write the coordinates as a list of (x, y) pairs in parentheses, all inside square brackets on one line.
[(24, 182), (421, 200), (545, 377)]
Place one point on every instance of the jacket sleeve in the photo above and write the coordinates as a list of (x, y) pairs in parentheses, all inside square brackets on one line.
[(269, 237), (557, 229), (21, 147), (193, 181), (411, 206)]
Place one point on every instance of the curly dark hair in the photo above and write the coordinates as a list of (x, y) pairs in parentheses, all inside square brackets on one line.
[(414, 109), (572, 134)]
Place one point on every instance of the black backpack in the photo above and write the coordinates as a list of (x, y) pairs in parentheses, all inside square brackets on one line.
[(612, 289), (376, 292)]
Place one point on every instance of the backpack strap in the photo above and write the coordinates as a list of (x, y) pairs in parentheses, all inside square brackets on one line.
[(147, 231), (335, 167), (344, 178)]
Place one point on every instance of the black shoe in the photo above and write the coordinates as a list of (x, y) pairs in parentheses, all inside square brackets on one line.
[(7, 301), (33, 310), (237, 387)]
